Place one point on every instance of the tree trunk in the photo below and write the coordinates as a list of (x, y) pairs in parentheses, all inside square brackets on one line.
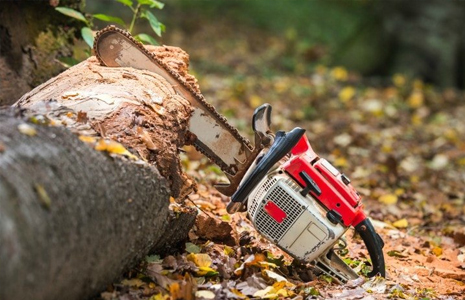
[(32, 38), (72, 219)]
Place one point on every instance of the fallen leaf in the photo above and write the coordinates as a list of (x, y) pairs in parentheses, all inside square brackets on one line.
[(200, 259), (205, 294), (87, 139), (113, 148), (339, 73), (395, 253), (153, 259), (402, 223), (135, 282), (388, 199), (27, 129), (192, 248), (346, 94), (44, 199), (82, 117), (437, 251), (274, 276)]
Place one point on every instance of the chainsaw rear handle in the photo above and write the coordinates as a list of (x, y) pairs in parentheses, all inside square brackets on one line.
[(283, 143), (374, 245)]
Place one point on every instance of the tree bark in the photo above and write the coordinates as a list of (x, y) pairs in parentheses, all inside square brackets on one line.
[(33, 36), (72, 219)]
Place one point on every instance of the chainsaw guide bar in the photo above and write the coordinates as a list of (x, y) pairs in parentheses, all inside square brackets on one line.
[(211, 133)]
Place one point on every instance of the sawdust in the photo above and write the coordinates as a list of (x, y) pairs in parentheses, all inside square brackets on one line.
[(178, 60)]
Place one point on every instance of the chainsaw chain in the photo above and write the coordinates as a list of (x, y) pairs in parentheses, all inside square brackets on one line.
[(198, 96)]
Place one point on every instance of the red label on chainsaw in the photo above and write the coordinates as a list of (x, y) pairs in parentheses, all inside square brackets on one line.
[(275, 212)]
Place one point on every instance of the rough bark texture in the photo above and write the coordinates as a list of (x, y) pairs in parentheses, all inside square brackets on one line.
[(72, 219)]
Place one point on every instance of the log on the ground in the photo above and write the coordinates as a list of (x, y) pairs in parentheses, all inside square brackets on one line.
[(72, 219)]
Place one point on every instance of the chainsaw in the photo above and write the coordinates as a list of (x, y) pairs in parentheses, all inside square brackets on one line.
[(292, 196)]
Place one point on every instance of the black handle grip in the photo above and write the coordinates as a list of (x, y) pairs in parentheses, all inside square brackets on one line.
[(283, 143), (374, 245)]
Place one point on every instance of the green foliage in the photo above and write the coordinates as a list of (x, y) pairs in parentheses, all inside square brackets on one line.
[(72, 13), (140, 9)]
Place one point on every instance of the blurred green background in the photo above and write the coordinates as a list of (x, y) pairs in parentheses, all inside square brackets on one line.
[(423, 39)]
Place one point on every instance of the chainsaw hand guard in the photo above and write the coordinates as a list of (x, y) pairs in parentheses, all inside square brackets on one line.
[(283, 144), (374, 245)]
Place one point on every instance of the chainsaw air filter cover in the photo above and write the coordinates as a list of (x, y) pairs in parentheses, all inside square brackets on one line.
[(297, 224)]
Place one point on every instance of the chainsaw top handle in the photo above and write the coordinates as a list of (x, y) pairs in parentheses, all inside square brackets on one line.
[(283, 144)]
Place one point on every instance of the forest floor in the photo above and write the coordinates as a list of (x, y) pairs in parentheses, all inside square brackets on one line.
[(400, 141)]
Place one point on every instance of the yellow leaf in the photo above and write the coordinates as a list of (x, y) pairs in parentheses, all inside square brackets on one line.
[(388, 199), (27, 129), (226, 217), (279, 285), (437, 251), (415, 178), (206, 271), (255, 101), (114, 148), (87, 139), (416, 99), (259, 257), (43, 196), (340, 162), (160, 297), (200, 259), (229, 251), (285, 293), (346, 94), (399, 80), (416, 119), (387, 148), (399, 191), (135, 282), (339, 73), (402, 223), (238, 293)]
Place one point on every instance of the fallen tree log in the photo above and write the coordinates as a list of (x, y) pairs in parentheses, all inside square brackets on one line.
[(73, 219)]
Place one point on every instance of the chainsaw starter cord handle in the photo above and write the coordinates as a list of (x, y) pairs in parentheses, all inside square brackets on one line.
[(283, 144), (374, 245)]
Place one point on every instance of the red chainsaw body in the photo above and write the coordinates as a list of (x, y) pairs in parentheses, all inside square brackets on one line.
[(336, 195)]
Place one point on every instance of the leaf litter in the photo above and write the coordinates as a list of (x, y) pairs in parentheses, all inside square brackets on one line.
[(402, 145)]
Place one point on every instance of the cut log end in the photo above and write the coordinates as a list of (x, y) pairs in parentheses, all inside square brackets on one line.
[(134, 107)]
